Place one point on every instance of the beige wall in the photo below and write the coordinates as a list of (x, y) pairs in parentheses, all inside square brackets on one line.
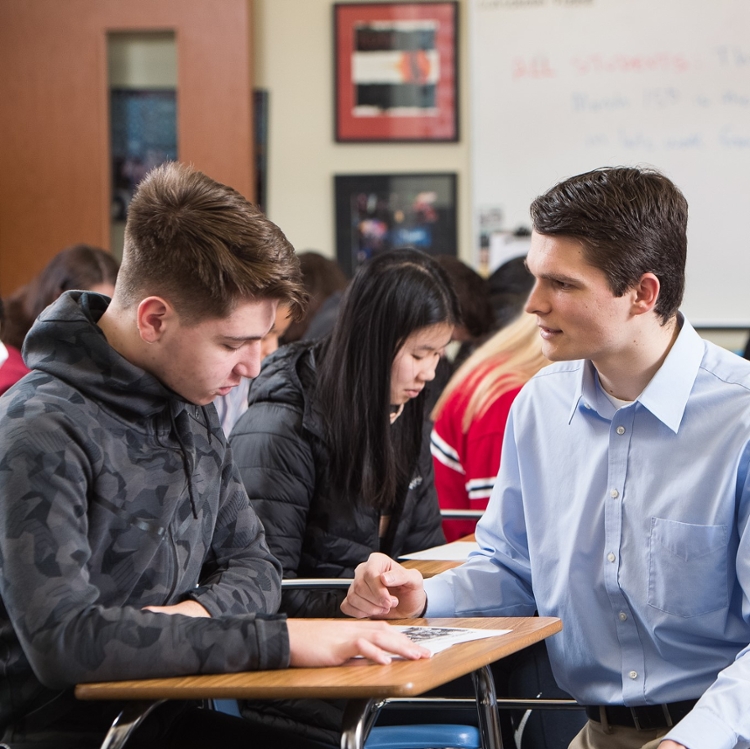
[(293, 60)]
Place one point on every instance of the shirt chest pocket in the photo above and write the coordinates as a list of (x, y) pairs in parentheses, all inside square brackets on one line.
[(687, 568)]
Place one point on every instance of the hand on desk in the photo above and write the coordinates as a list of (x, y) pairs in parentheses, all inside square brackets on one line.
[(322, 642), (383, 589)]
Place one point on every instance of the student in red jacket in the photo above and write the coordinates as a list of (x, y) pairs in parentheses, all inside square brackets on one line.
[(12, 368), (470, 418)]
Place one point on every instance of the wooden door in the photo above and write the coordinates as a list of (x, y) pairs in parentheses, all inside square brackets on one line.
[(54, 126)]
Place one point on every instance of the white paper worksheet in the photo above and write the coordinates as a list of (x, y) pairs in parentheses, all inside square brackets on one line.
[(456, 551), (437, 639)]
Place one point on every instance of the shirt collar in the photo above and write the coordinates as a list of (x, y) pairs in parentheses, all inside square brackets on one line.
[(3, 353), (667, 394)]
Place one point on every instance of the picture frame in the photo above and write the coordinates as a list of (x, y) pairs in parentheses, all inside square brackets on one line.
[(396, 72), (143, 133), (260, 143), (379, 212)]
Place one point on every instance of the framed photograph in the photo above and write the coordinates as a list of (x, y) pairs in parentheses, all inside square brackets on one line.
[(143, 126), (378, 212), (396, 74)]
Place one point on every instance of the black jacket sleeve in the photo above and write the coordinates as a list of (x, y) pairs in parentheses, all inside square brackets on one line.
[(421, 524), (56, 611)]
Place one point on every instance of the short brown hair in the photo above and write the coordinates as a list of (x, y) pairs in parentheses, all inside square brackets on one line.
[(629, 220), (204, 247)]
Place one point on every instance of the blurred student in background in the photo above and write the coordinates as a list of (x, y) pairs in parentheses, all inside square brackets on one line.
[(331, 452), (477, 323), (80, 266), (477, 317), (12, 368), (509, 286), (232, 405), (325, 283), (470, 418)]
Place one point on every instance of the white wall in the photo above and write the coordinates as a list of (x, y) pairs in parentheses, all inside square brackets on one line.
[(293, 43)]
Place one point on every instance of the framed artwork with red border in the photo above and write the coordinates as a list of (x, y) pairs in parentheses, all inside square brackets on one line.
[(396, 72)]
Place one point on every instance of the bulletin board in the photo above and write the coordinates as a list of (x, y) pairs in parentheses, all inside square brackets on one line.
[(559, 87)]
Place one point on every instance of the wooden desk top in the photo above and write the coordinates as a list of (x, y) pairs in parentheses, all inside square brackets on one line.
[(430, 567), (357, 679)]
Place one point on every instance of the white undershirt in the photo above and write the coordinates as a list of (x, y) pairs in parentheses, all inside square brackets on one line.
[(616, 402)]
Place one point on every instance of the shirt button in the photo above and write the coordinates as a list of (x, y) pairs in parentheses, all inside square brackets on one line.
[(611, 557), (623, 616), (614, 494), (620, 430), (633, 674)]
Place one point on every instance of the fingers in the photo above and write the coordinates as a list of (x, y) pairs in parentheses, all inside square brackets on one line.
[(382, 644), (398, 576), (397, 643), (315, 642), (359, 608), (186, 608), (369, 594), (372, 652)]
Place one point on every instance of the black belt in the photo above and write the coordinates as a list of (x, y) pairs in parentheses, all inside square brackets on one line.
[(643, 717)]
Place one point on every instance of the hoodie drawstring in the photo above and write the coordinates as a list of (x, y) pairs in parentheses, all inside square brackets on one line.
[(207, 424), (181, 428)]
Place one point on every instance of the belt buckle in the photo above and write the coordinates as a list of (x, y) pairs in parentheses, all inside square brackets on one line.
[(637, 722)]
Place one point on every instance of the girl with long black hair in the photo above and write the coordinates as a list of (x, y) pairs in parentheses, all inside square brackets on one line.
[(330, 449)]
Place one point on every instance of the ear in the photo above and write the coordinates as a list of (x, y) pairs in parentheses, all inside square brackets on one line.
[(153, 317), (645, 294)]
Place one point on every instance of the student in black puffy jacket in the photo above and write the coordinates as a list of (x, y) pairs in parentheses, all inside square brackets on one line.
[(330, 449)]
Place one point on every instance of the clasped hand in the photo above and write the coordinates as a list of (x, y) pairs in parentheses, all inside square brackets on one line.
[(383, 589)]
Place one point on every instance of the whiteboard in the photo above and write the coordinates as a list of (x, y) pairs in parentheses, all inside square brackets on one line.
[(559, 87)]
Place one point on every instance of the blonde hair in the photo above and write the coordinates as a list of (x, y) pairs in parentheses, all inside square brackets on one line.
[(506, 361)]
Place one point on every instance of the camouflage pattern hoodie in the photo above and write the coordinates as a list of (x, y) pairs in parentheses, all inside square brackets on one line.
[(116, 494)]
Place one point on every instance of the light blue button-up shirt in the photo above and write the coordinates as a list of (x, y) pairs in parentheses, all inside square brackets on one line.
[(631, 525)]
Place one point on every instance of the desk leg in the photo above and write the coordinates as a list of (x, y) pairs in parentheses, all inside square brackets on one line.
[(131, 716), (489, 723), (359, 718)]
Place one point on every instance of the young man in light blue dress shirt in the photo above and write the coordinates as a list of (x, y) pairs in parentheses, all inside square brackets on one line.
[(623, 499)]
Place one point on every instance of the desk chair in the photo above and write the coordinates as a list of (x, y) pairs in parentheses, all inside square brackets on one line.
[(425, 736)]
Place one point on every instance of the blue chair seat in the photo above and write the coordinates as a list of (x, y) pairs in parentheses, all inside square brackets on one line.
[(424, 736)]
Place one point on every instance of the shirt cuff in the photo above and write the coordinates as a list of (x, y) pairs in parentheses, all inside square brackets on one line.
[(701, 728), (439, 597)]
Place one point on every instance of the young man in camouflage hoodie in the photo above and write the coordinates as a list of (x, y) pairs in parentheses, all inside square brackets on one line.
[(128, 548)]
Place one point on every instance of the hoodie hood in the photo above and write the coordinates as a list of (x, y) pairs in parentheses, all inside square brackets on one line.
[(66, 343), (288, 376)]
